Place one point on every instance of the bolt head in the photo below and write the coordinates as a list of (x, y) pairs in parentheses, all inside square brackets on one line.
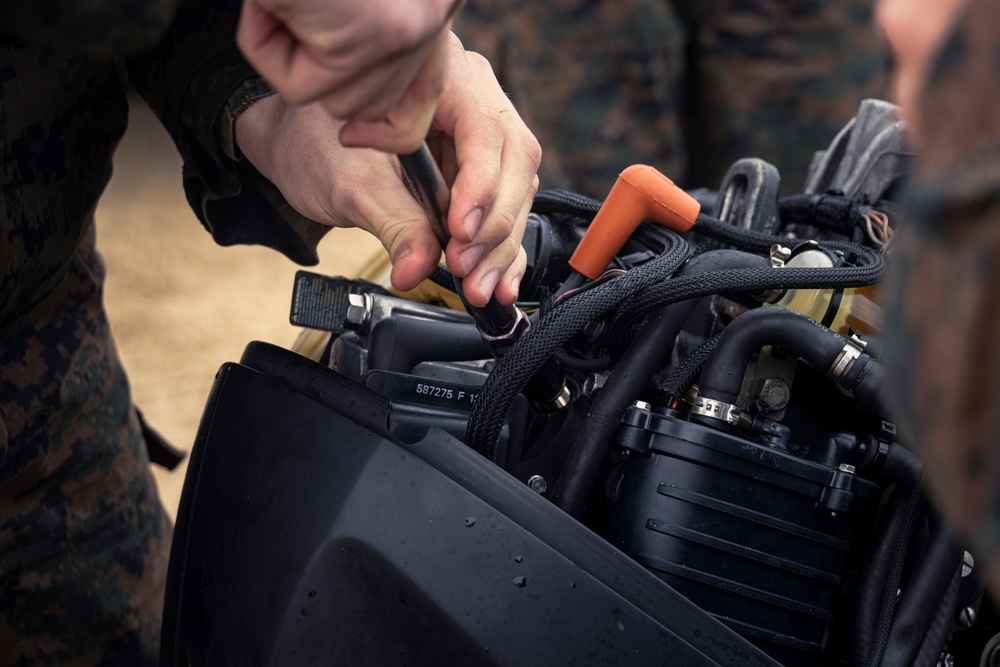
[(538, 484), (356, 315)]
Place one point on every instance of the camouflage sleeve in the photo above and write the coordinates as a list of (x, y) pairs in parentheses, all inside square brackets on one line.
[(98, 28), (943, 299), (198, 83)]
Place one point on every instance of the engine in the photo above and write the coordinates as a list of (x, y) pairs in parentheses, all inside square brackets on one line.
[(708, 402)]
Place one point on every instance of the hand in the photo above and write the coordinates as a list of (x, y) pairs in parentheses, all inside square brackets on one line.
[(380, 63), (484, 150)]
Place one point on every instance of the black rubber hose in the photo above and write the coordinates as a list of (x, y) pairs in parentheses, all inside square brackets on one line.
[(901, 466), (876, 595), (591, 437), (794, 333), (889, 541), (887, 608), (923, 597), (937, 635), (523, 360)]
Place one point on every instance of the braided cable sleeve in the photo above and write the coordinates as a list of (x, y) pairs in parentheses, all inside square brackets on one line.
[(688, 369), (742, 281), (564, 201), (580, 364), (540, 341), (836, 213), (442, 277)]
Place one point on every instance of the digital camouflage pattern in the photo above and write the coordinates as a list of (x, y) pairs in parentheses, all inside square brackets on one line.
[(943, 315), (84, 542), (687, 86), (83, 539)]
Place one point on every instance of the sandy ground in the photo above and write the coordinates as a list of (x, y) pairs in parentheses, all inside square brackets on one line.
[(180, 305)]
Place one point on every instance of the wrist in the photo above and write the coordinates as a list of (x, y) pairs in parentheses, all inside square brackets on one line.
[(255, 127)]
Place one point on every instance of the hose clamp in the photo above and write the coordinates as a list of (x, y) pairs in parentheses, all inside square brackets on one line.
[(725, 412), (852, 351)]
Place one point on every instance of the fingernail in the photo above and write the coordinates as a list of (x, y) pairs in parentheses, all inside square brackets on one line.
[(471, 256), (472, 222), (489, 281), (515, 285)]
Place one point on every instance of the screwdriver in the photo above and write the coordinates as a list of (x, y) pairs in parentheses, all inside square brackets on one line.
[(499, 325), (428, 187)]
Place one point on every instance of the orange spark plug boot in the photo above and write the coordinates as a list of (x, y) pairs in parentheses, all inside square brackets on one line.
[(640, 193)]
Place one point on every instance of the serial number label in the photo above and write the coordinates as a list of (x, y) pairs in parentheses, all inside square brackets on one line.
[(449, 393)]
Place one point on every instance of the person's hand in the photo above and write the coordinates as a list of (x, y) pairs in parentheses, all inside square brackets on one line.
[(376, 63), (484, 150)]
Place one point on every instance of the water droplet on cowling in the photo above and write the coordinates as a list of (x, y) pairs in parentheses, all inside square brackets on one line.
[(518, 559), (470, 521), (520, 582)]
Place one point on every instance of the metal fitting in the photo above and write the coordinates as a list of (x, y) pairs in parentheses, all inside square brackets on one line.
[(593, 383), (500, 343), (359, 311), (775, 393), (967, 617), (779, 255), (852, 351), (968, 564), (538, 484), (725, 412)]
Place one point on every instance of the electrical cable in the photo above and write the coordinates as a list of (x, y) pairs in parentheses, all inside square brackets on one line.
[(687, 370), (541, 340)]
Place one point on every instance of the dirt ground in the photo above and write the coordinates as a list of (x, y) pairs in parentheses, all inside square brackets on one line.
[(180, 305)]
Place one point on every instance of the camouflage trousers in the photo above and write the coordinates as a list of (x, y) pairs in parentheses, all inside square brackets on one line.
[(687, 86), (83, 539)]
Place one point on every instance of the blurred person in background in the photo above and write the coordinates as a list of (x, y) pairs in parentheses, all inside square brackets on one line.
[(689, 87), (943, 294), (84, 541)]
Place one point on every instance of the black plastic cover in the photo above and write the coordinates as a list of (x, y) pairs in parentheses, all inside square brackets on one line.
[(308, 536), (743, 529)]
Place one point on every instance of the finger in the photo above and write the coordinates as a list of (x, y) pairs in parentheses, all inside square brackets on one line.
[(398, 221), (470, 115), (407, 124), (493, 265), (353, 82), (507, 289), (265, 43)]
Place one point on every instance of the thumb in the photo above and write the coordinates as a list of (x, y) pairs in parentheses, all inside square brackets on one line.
[(401, 226)]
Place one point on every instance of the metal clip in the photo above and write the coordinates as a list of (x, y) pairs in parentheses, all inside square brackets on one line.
[(852, 351), (726, 412)]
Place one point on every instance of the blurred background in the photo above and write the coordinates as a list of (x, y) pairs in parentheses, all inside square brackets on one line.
[(180, 305)]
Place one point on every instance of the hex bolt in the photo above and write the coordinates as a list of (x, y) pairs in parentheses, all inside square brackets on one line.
[(357, 312), (537, 484), (775, 393)]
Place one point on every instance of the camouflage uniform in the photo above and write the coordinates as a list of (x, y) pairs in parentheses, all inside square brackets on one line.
[(943, 317), (688, 86), (83, 538)]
